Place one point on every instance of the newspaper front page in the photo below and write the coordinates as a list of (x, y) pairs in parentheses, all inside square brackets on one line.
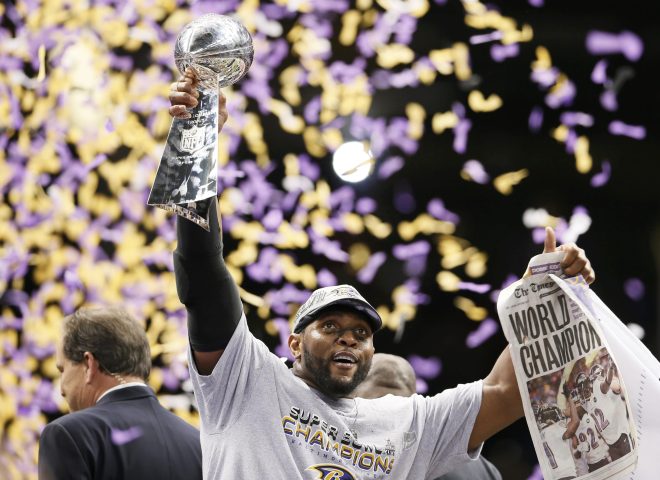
[(576, 405)]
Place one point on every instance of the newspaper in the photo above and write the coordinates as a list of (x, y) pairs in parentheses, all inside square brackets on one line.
[(576, 405), (642, 373)]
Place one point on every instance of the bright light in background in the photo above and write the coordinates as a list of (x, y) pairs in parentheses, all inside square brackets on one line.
[(353, 162), (636, 330)]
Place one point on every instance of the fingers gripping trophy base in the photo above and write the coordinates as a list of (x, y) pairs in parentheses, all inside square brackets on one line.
[(196, 212)]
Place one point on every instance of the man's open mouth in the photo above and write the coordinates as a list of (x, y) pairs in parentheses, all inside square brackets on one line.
[(344, 358)]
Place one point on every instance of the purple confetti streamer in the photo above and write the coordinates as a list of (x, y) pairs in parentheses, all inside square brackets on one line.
[(368, 272), (486, 37), (312, 110), (602, 177), (487, 328), (425, 367), (499, 53), (536, 474), (397, 133), (266, 268), (202, 7), (414, 296), (342, 199), (474, 287), (626, 43), (346, 73), (365, 206), (609, 101), (404, 201), (571, 119), (599, 73), (562, 97), (405, 29), (545, 78), (390, 166), (279, 300), (436, 208), (415, 266), (283, 330), (476, 171), (329, 248), (122, 437), (571, 141), (326, 278), (421, 386), (406, 252), (637, 132), (634, 288), (272, 220), (461, 131), (535, 120), (406, 78)]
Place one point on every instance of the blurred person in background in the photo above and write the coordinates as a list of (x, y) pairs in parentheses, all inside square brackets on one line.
[(391, 374)]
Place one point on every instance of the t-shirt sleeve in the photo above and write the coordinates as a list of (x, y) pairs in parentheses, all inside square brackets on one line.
[(223, 395), (450, 418)]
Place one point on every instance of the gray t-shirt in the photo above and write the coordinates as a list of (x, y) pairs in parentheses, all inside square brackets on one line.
[(261, 421)]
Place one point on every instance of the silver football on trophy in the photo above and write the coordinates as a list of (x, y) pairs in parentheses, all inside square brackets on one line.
[(217, 47)]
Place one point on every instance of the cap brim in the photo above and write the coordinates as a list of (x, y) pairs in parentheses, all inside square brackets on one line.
[(370, 314)]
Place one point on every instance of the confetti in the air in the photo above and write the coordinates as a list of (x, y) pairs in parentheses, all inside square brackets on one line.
[(83, 96)]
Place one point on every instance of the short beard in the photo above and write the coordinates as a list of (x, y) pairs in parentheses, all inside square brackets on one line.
[(320, 371)]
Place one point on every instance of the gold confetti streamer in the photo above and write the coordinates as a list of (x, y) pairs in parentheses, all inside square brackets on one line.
[(416, 115), (425, 224), (448, 281), (583, 160), (478, 103), (472, 311), (443, 121), (504, 183), (389, 56), (350, 21)]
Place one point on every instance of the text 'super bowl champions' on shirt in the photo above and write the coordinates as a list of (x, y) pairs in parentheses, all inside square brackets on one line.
[(261, 421)]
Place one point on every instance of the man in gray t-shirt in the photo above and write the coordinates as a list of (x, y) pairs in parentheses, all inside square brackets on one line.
[(261, 420)]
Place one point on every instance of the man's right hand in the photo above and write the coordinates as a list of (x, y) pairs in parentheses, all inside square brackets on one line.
[(183, 96)]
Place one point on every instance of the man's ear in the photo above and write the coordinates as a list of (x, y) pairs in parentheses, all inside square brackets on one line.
[(92, 368), (295, 345)]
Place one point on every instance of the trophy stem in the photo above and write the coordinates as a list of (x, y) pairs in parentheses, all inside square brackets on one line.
[(187, 175)]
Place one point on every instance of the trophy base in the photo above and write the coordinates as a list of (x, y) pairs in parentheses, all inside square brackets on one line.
[(196, 212)]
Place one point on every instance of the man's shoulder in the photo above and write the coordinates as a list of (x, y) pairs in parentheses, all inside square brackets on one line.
[(75, 422), (95, 413), (114, 417)]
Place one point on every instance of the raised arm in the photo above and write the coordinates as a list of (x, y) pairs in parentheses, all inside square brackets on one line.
[(501, 404), (611, 382), (203, 282), (573, 420)]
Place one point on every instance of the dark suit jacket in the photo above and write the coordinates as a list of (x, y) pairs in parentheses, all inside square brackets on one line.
[(126, 435)]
